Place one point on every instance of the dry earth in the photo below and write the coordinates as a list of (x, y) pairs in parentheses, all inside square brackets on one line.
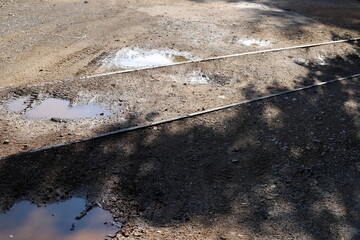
[(42, 41), (283, 168)]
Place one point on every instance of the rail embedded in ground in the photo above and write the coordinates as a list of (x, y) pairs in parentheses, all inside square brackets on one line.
[(191, 115), (198, 61)]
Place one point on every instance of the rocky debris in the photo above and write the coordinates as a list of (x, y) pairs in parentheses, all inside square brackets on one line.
[(58, 120)]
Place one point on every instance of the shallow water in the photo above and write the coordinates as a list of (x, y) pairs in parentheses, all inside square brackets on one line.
[(59, 108), (19, 104), (138, 57), (56, 222), (176, 58)]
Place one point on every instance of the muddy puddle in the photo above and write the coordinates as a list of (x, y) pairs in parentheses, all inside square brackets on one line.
[(56, 108), (138, 57), (59, 221)]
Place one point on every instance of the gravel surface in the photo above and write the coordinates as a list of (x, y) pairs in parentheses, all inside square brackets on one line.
[(285, 168), (281, 168)]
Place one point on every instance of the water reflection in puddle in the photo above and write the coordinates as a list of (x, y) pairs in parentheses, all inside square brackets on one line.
[(59, 108), (138, 57), (56, 222), (19, 104)]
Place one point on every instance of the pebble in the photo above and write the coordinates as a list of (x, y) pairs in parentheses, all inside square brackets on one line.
[(6, 142), (59, 120)]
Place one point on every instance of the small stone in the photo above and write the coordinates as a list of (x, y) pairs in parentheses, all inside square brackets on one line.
[(155, 128), (86, 1), (235, 161), (6, 142), (294, 99), (58, 120)]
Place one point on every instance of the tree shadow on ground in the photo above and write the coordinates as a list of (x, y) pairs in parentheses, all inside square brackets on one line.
[(332, 13), (284, 167)]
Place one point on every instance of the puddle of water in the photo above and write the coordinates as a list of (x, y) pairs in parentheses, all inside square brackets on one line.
[(55, 222), (254, 42), (19, 104), (59, 108), (176, 58), (138, 57)]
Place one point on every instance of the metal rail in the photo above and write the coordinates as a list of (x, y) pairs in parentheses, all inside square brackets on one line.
[(185, 116)]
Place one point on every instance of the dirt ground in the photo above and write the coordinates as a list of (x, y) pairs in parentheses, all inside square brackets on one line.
[(282, 168), (140, 98), (285, 168), (43, 41)]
